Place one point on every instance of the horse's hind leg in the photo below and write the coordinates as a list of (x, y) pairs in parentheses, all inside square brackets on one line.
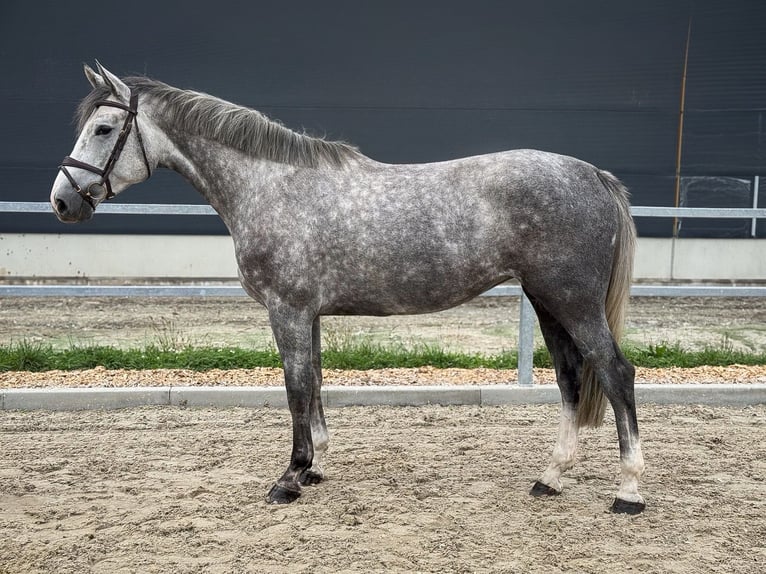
[(567, 361), (616, 376), (579, 327), (319, 436)]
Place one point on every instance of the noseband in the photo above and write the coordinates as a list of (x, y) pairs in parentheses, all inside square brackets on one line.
[(101, 190)]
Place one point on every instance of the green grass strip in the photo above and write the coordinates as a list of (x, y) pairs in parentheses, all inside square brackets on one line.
[(27, 356), (31, 357)]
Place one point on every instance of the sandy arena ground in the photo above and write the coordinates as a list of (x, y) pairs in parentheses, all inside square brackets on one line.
[(427, 489)]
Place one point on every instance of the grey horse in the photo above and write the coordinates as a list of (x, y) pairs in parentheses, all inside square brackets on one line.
[(321, 229)]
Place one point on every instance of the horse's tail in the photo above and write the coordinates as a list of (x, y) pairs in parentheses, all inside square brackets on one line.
[(592, 400)]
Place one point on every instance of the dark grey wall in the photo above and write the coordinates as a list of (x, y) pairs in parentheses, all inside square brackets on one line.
[(410, 81)]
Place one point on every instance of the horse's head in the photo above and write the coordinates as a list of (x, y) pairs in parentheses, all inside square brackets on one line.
[(109, 154)]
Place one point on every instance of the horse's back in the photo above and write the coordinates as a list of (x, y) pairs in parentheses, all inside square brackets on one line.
[(511, 178), (508, 197)]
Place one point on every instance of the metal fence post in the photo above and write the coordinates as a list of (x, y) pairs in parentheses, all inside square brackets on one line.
[(526, 341), (754, 224)]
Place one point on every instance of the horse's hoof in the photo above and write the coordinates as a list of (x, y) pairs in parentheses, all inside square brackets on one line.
[(540, 489), (310, 477), (281, 495), (620, 506)]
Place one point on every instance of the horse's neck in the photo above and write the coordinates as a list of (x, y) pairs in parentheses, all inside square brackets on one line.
[(225, 177), (234, 182)]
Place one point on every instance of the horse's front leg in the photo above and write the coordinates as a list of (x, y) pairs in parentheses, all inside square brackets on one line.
[(292, 330), (319, 436)]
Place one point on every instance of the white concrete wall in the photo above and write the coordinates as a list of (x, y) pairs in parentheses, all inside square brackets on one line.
[(29, 256), (739, 259), (701, 259), (119, 256)]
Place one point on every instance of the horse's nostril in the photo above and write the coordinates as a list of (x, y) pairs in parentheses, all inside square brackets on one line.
[(60, 206)]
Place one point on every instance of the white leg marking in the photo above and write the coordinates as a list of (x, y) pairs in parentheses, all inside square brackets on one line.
[(632, 466), (564, 452), (321, 440)]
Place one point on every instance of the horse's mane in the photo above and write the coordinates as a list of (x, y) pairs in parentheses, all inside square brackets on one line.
[(237, 126)]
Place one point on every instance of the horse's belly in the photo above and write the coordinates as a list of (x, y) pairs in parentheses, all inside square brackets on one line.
[(407, 299)]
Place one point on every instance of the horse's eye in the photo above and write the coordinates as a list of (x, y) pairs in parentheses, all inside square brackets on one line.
[(103, 130)]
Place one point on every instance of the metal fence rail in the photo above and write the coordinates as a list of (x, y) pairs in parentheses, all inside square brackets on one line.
[(188, 209), (526, 315), (68, 290), (113, 208)]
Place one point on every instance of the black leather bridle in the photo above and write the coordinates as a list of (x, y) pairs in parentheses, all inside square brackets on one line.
[(102, 190)]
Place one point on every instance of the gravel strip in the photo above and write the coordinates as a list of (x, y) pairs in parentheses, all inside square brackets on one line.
[(267, 377)]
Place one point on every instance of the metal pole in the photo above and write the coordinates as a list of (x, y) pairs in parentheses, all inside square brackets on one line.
[(680, 142), (754, 225), (526, 341)]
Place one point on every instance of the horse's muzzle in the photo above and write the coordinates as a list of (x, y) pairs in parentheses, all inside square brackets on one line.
[(69, 207)]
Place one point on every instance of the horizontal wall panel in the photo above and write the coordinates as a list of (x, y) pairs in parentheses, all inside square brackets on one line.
[(406, 82)]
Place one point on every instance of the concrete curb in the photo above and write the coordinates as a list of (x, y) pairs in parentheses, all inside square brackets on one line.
[(740, 394)]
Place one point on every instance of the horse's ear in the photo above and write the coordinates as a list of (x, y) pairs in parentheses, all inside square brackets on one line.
[(95, 80), (115, 84)]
